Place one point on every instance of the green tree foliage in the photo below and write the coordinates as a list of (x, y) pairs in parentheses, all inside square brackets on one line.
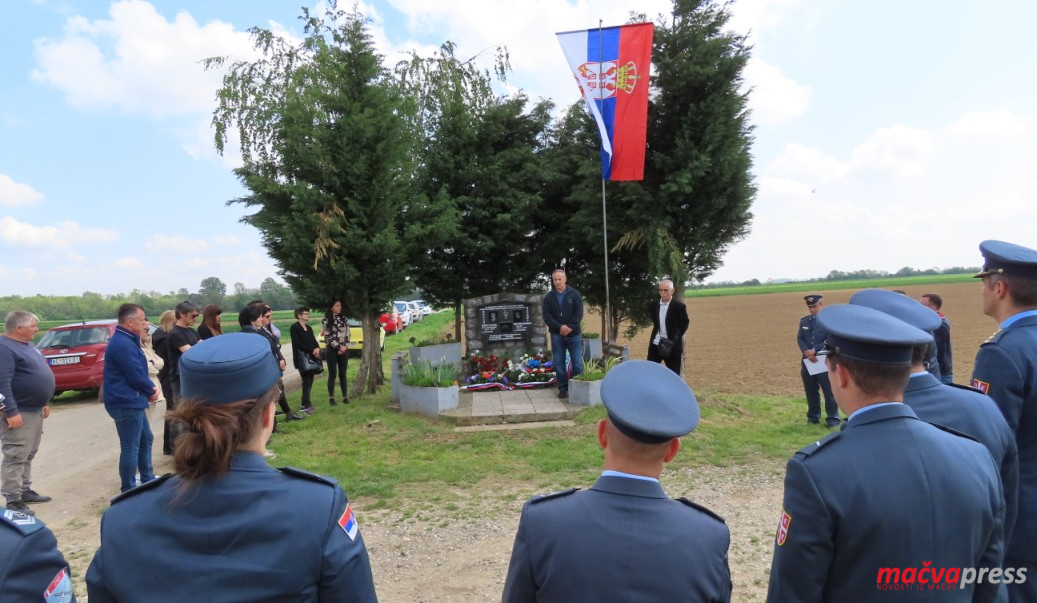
[(212, 290), (479, 177), (326, 156)]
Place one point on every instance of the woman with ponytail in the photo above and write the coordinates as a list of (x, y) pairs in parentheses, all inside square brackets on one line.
[(227, 526)]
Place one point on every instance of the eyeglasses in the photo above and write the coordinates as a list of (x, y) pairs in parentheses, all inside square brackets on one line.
[(195, 315)]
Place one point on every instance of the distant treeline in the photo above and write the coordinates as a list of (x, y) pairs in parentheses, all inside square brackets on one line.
[(839, 275), (91, 306)]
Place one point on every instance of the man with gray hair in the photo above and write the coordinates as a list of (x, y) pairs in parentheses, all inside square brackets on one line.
[(669, 323), (26, 385)]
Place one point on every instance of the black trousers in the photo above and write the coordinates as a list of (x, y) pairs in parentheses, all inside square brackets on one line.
[(338, 364), (674, 361), (307, 385)]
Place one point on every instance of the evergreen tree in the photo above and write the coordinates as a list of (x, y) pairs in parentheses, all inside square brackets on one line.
[(326, 165)]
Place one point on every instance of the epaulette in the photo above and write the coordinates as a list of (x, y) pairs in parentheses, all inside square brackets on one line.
[(542, 497), (699, 507), (812, 448), (967, 388), (141, 488), (953, 431), (23, 522), (313, 477), (994, 338)]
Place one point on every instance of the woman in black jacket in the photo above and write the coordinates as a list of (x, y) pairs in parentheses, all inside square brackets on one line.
[(304, 343)]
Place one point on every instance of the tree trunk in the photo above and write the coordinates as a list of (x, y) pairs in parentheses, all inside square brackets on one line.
[(370, 375), (457, 320)]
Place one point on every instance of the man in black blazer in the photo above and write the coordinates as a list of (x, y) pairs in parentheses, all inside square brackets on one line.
[(624, 539), (886, 509), (673, 325)]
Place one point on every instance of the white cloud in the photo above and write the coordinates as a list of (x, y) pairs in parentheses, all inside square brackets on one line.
[(897, 149), (129, 263), (774, 98), (14, 194), (161, 242), (137, 61), (989, 125), (63, 235), (226, 240)]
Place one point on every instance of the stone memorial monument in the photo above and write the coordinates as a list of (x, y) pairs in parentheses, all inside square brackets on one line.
[(506, 324)]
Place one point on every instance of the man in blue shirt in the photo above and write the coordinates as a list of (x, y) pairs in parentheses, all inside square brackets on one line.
[(1006, 370), (563, 312), (127, 393), (811, 338)]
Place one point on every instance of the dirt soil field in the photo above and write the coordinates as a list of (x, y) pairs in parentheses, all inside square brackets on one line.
[(459, 552)]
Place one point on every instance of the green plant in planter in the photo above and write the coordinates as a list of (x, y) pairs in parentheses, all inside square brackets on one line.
[(426, 374), (592, 335), (594, 371), (427, 342)]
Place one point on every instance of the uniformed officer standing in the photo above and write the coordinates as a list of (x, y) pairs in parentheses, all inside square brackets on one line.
[(811, 338), (228, 527), (1006, 370), (31, 566), (887, 492), (956, 406), (624, 539)]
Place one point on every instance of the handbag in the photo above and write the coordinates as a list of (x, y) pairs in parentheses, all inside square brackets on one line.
[(308, 365), (664, 347)]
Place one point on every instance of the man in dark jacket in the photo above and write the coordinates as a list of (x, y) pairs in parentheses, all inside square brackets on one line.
[(128, 391), (669, 320), (563, 312)]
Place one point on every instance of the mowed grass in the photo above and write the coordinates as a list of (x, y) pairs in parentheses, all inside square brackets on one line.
[(898, 282), (387, 459)]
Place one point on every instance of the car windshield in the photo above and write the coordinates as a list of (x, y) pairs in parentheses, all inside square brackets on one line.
[(73, 338), (401, 307)]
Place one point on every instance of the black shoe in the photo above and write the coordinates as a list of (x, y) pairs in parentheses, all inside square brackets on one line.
[(309, 410), (811, 422), (345, 400), (832, 424), (20, 507), (32, 496), (563, 394), (278, 430), (332, 402), (294, 416)]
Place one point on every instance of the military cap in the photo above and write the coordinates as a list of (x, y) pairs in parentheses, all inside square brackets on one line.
[(648, 402), (898, 306), (1000, 257), (228, 368), (869, 335), (812, 300)]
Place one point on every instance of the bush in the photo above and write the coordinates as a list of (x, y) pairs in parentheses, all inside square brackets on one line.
[(426, 374)]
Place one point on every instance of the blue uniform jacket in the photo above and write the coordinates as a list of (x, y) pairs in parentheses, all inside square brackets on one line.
[(31, 567), (811, 334), (890, 491), (569, 313), (256, 534), (1006, 370), (126, 381), (970, 412), (622, 540)]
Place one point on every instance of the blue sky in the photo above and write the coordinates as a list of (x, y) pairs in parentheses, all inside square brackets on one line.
[(888, 134)]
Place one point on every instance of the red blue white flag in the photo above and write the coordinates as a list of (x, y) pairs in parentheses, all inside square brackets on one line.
[(611, 65)]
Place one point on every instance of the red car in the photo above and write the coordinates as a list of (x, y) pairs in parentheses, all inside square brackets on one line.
[(391, 321), (75, 352)]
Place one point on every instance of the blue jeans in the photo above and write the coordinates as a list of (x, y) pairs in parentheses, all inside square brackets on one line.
[(560, 344), (134, 445), (948, 379)]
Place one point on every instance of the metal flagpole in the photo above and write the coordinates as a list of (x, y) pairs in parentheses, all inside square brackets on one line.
[(606, 336)]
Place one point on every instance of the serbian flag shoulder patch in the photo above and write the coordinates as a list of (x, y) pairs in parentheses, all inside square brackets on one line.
[(982, 386), (783, 527), (348, 523)]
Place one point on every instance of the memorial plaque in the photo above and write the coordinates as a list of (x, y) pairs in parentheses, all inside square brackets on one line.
[(505, 324)]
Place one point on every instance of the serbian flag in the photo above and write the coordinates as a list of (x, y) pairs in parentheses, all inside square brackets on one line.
[(611, 66)]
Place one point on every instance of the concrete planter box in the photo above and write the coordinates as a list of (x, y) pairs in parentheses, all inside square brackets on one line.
[(585, 393), (428, 401), (591, 349), (449, 353)]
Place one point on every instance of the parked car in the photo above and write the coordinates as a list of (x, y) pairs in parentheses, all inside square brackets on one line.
[(75, 353), (356, 336), (391, 321), (415, 311), (404, 310), (424, 306)]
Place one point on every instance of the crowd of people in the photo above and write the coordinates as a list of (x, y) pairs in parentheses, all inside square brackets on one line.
[(924, 492)]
